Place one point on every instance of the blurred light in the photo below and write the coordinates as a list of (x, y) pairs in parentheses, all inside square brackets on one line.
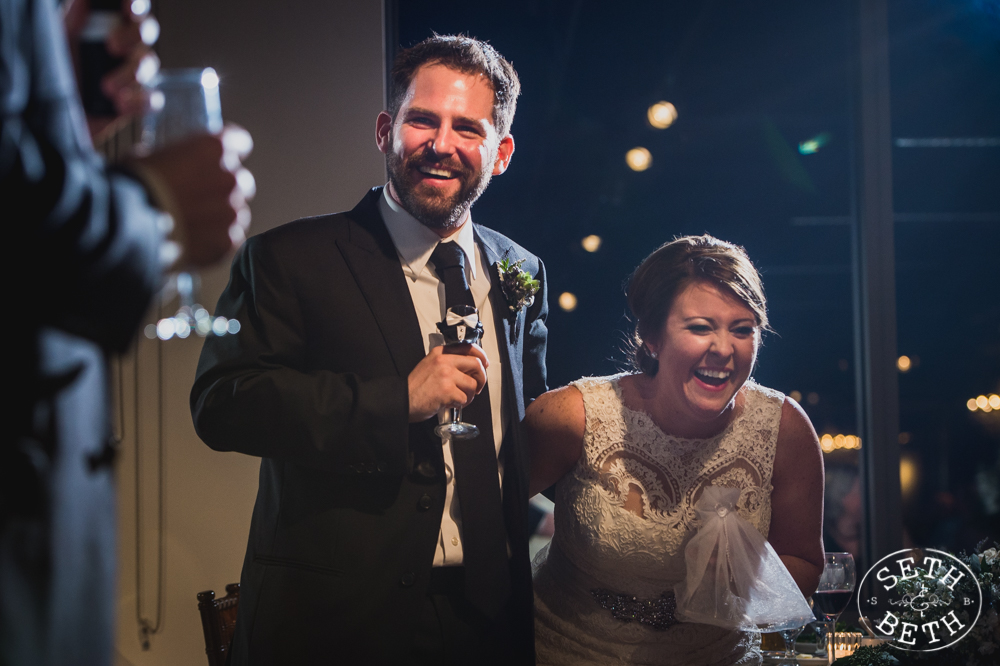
[(147, 69), (150, 332), (182, 327), (638, 159), (903, 363), (995, 401), (971, 404), (661, 115), (904, 438), (140, 7), (813, 398), (156, 100), (796, 396), (591, 243), (149, 29), (165, 328), (219, 326), (909, 473), (982, 402), (233, 327), (567, 301), (209, 79), (830, 443), (810, 146)]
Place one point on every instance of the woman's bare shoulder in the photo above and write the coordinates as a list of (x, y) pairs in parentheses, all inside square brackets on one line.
[(558, 412)]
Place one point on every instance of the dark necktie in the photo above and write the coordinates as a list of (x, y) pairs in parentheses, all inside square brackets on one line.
[(484, 537)]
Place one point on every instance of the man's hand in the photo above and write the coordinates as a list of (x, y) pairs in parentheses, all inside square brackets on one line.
[(201, 182), (446, 377)]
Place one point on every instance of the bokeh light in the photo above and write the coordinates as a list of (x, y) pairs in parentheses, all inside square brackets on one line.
[(796, 396), (661, 115), (591, 243), (209, 79), (830, 443), (567, 301), (909, 475), (903, 363), (638, 159), (995, 401)]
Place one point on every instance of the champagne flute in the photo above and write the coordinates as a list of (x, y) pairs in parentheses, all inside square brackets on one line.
[(836, 587), (184, 102)]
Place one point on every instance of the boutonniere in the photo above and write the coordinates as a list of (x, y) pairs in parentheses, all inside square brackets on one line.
[(519, 288)]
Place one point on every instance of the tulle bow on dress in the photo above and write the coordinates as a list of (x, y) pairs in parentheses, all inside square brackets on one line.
[(735, 579)]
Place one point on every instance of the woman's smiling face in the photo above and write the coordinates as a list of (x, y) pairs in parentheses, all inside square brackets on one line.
[(706, 351)]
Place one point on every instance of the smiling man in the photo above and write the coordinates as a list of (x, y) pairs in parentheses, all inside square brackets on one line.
[(375, 540)]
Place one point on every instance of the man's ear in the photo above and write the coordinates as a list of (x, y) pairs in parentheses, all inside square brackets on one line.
[(383, 132), (504, 152)]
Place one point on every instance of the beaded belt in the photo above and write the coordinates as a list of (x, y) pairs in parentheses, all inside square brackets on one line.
[(655, 613)]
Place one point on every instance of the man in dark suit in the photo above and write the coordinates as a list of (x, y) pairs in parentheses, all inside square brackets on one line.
[(92, 251), (375, 540)]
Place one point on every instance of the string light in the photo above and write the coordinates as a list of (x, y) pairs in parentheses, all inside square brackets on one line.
[(830, 443), (984, 403), (567, 301), (638, 159), (903, 363), (661, 115), (591, 243)]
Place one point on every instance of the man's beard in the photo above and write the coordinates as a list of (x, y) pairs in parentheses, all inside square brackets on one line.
[(434, 209)]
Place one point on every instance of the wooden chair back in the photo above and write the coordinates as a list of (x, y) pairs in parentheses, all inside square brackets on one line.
[(218, 619)]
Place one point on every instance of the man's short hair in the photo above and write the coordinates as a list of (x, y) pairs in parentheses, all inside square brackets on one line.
[(464, 54)]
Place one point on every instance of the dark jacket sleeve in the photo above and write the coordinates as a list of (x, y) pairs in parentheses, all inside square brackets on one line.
[(86, 236), (260, 393), (535, 340)]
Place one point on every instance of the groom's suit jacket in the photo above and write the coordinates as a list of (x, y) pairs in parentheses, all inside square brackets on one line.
[(351, 494)]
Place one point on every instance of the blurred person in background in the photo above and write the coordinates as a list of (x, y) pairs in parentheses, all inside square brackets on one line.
[(94, 243)]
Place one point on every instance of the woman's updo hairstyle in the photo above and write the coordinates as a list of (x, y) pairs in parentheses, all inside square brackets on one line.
[(669, 269)]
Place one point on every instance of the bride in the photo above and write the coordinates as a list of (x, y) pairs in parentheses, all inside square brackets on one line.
[(632, 453)]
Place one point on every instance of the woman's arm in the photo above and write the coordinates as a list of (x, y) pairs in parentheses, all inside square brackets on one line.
[(797, 498), (554, 425)]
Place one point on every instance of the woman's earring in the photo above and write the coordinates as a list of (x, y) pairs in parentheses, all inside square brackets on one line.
[(653, 354)]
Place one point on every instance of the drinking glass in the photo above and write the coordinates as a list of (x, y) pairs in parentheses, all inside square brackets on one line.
[(836, 587), (790, 635), (184, 102)]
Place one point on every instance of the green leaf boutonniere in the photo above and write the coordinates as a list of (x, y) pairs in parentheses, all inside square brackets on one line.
[(518, 286)]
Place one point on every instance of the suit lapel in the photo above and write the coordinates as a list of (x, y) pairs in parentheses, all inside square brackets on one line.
[(374, 263)]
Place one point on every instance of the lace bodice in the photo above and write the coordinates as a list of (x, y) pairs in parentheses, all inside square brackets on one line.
[(605, 539)]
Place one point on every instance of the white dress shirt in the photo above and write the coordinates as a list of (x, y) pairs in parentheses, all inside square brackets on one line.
[(414, 243)]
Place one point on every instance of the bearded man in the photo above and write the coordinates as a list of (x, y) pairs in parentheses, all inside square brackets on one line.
[(375, 540)]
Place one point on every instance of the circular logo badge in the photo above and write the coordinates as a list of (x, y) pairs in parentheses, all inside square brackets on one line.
[(924, 599)]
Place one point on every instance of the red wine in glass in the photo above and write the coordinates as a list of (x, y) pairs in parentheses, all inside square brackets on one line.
[(831, 603)]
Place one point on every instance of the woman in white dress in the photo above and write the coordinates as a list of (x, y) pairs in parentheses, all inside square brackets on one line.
[(631, 454)]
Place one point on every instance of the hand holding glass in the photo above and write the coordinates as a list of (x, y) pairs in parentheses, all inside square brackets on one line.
[(183, 103)]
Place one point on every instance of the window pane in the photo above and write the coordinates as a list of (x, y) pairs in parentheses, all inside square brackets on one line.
[(946, 162)]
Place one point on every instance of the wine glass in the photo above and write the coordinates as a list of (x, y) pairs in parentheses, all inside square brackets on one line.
[(836, 587), (790, 635), (183, 102), (461, 327)]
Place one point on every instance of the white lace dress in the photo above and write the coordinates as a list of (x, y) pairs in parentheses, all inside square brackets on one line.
[(603, 586)]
